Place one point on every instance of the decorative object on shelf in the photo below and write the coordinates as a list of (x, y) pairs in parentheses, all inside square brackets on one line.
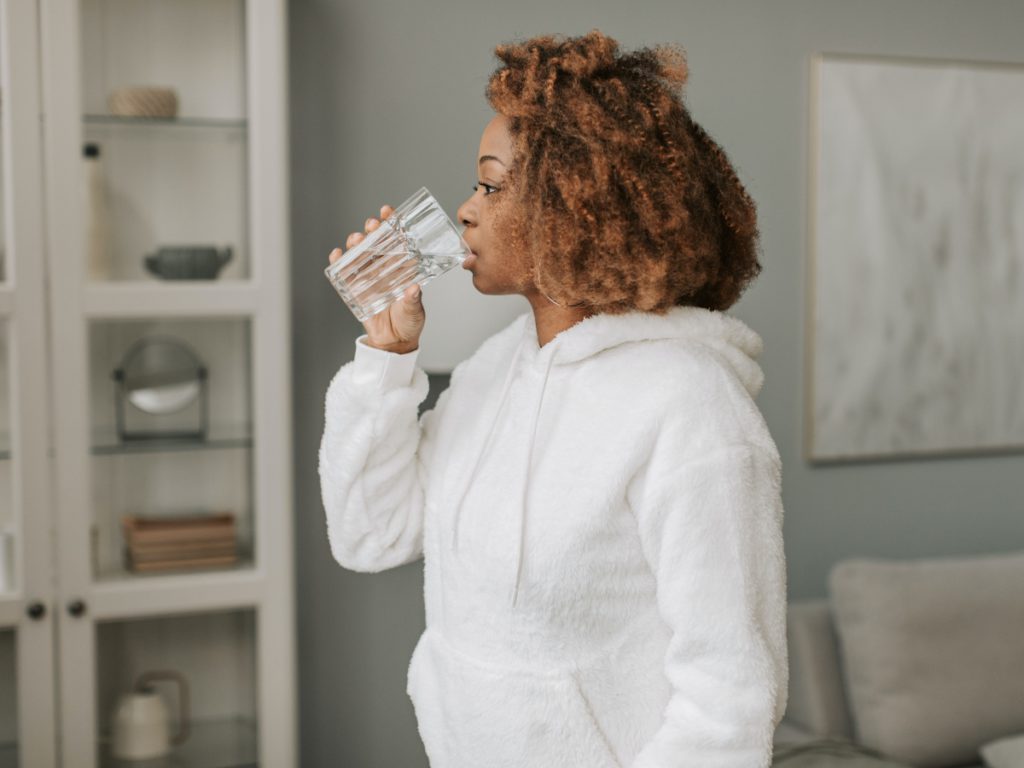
[(165, 383), (179, 542), (916, 321), (98, 224), (143, 101), (187, 262), (141, 723)]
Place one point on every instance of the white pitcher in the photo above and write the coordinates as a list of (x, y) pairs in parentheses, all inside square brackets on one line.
[(142, 721)]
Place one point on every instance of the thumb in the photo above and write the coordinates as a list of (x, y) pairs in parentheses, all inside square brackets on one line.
[(413, 300)]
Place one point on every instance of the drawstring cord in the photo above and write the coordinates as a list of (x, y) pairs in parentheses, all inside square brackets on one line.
[(526, 483), (520, 546), (483, 450)]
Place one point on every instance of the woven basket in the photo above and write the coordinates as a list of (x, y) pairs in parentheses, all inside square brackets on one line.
[(143, 102)]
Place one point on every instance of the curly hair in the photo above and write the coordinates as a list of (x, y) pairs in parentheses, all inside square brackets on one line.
[(622, 201)]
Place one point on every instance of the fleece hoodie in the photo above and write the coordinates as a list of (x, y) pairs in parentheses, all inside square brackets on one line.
[(600, 521)]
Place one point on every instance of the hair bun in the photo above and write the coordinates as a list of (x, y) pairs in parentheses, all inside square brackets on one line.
[(595, 54), (537, 69), (585, 56), (673, 67)]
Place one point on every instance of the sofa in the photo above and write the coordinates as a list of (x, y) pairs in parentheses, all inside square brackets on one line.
[(909, 663)]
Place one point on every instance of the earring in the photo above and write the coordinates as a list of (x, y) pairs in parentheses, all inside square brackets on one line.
[(563, 306)]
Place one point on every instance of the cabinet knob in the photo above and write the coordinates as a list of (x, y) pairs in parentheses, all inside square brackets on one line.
[(76, 608), (36, 610)]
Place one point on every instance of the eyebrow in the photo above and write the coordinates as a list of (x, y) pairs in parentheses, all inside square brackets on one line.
[(489, 157)]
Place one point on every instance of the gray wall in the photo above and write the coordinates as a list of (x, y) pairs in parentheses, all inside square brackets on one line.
[(370, 76)]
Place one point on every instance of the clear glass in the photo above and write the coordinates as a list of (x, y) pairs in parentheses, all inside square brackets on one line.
[(186, 467), (165, 155), (417, 243), (215, 654)]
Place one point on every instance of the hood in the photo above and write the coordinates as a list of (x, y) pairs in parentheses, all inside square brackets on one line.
[(737, 344)]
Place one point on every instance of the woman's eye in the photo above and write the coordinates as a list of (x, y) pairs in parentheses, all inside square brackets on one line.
[(488, 189)]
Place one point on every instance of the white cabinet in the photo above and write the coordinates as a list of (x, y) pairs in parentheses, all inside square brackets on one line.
[(145, 436)]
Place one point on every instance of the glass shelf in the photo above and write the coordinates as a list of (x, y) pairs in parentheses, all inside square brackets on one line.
[(107, 443), (220, 743), (183, 122)]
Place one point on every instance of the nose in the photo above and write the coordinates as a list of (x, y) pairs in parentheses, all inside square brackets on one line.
[(467, 213)]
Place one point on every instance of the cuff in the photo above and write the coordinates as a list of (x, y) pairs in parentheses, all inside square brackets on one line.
[(382, 369)]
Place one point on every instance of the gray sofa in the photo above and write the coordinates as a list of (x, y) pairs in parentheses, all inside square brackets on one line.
[(817, 729), (908, 663)]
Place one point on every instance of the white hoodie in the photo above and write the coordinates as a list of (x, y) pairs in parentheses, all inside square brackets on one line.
[(601, 525)]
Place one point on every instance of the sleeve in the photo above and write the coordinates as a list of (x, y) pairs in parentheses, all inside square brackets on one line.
[(373, 457), (711, 530)]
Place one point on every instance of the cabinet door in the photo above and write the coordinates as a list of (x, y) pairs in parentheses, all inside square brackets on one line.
[(168, 307), (27, 715)]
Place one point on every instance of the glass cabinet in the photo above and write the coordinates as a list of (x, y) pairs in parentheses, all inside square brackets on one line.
[(145, 440)]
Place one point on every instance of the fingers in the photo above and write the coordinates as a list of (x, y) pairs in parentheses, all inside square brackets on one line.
[(355, 237)]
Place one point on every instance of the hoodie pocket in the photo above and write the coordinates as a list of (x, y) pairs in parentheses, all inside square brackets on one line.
[(472, 713)]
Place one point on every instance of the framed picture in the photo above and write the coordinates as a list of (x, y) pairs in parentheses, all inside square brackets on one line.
[(915, 338)]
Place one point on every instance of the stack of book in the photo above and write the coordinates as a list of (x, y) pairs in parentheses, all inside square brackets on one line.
[(175, 542)]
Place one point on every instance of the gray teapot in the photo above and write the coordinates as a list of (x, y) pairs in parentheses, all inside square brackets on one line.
[(187, 262)]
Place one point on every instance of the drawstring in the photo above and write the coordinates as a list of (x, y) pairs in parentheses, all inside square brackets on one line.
[(483, 450), (492, 429), (526, 482)]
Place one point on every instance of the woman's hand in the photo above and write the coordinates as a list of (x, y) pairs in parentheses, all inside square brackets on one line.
[(398, 327)]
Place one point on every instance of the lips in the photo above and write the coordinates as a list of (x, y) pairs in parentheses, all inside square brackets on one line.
[(469, 261)]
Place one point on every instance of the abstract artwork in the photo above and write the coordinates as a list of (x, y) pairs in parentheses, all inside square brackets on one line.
[(916, 287)]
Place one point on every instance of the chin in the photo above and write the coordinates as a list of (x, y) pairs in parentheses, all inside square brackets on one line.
[(483, 285), (480, 283)]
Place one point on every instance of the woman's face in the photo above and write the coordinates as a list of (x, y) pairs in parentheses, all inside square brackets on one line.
[(495, 270)]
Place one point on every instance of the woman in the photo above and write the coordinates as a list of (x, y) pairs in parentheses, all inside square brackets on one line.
[(596, 495)]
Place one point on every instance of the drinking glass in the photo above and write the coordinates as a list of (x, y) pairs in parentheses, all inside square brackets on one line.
[(415, 244)]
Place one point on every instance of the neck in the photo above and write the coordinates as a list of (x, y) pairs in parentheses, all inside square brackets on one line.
[(552, 319)]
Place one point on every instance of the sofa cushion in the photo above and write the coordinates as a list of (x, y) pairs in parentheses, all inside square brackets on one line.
[(932, 653), (816, 701)]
